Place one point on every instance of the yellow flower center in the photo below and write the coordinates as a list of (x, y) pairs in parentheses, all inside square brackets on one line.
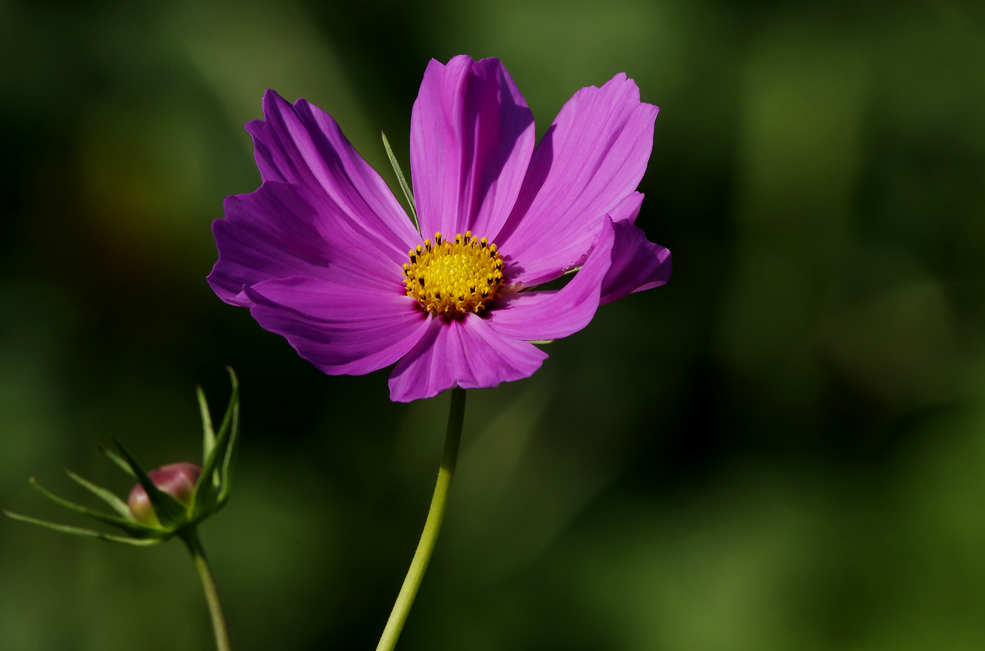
[(454, 277)]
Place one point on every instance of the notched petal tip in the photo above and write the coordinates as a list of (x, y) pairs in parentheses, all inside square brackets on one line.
[(457, 60), (271, 100), (227, 289), (637, 263), (254, 127), (623, 88)]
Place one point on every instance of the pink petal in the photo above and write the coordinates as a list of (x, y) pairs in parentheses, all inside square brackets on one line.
[(590, 160), (553, 314), (339, 329), (302, 144), (468, 354), (472, 136), (284, 230), (637, 263)]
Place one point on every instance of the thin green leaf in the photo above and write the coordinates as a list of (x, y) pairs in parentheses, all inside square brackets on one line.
[(402, 180), (133, 528), (206, 493), (88, 533), (118, 460), (208, 438), (542, 341), (169, 511), (118, 505)]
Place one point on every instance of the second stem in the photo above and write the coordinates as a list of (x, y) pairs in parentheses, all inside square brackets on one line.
[(449, 457), (208, 583)]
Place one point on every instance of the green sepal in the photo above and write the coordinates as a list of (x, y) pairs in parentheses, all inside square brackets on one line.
[(88, 533), (133, 528), (206, 495), (170, 512), (208, 434), (230, 461), (118, 505), (541, 342), (402, 180), (118, 460)]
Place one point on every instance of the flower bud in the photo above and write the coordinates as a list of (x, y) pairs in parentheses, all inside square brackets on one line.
[(175, 479)]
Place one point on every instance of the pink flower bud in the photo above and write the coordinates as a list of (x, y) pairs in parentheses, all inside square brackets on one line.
[(175, 479)]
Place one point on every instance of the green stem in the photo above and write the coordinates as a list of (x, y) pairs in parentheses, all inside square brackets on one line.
[(208, 583), (456, 416)]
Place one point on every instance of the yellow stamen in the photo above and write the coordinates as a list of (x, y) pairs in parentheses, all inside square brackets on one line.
[(454, 277)]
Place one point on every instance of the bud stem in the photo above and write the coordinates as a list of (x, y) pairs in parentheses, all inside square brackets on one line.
[(190, 536), (456, 417)]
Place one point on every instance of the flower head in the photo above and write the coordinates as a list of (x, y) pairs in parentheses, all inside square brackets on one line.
[(323, 254)]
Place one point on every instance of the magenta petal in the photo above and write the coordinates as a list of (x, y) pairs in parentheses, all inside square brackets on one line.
[(339, 329), (472, 136), (284, 230), (302, 144), (543, 315), (637, 263), (468, 354), (591, 159)]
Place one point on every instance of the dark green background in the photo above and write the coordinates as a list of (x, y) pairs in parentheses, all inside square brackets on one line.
[(784, 448)]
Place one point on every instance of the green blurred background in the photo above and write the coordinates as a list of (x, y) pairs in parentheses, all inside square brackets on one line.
[(784, 448)]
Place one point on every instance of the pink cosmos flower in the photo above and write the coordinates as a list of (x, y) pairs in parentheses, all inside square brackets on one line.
[(324, 255)]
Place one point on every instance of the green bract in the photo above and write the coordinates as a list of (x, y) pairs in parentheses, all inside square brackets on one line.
[(211, 493)]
